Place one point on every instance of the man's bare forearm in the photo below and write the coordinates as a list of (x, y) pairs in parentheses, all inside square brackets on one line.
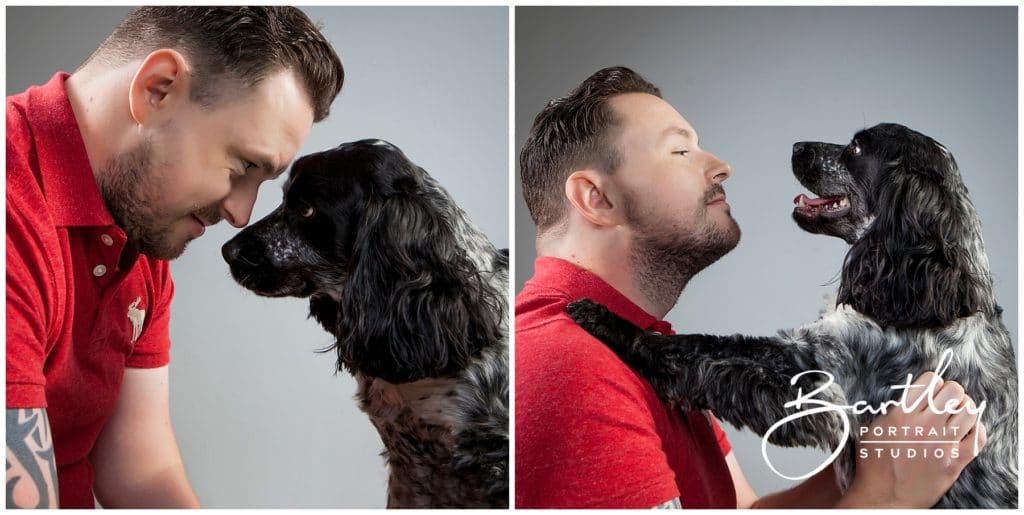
[(166, 489), (820, 491), (31, 466)]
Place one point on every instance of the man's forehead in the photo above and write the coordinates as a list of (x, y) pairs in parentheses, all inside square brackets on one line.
[(279, 116), (651, 114)]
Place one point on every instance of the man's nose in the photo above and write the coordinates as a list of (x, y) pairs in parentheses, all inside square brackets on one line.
[(718, 170), (236, 208)]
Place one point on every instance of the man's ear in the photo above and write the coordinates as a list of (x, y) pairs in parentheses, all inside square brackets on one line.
[(161, 81), (587, 191)]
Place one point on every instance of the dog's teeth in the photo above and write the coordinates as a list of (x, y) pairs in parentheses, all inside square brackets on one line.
[(843, 202), (800, 202)]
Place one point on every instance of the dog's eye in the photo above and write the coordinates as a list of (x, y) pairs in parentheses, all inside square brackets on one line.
[(855, 148), (301, 208)]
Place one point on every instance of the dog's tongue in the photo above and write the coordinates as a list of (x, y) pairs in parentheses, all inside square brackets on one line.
[(807, 201)]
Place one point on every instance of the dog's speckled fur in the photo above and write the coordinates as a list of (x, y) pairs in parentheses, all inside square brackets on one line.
[(915, 283), (417, 298)]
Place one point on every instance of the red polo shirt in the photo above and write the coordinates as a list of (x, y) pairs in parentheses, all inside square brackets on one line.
[(80, 306), (590, 432)]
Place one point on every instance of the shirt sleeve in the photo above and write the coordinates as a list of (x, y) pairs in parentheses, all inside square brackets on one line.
[(585, 432), (153, 348), (32, 298), (723, 441)]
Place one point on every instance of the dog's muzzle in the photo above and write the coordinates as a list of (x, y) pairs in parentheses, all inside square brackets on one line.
[(238, 253)]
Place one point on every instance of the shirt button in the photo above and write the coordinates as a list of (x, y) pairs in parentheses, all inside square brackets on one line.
[(107, 240), (99, 270)]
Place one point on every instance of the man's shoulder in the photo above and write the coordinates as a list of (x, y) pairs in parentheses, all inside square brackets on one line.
[(559, 356), (549, 336), (19, 143), (19, 129), (26, 198), (31, 234)]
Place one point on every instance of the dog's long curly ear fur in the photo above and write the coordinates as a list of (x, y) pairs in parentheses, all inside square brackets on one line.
[(911, 268), (422, 309)]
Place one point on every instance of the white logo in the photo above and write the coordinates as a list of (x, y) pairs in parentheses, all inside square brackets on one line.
[(860, 407), (137, 316)]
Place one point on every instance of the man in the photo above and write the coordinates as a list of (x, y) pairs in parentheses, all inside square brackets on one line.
[(628, 208), (169, 127)]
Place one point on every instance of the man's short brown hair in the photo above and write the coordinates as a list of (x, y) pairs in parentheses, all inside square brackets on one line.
[(572, 133), (242, 45)]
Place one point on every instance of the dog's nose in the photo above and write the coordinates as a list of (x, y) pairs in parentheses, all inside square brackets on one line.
[(230, 251), (798, 148), (235, 251)]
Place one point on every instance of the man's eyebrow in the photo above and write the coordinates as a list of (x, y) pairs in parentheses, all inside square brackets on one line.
[(266, 164), (677, 130), (277, 173)]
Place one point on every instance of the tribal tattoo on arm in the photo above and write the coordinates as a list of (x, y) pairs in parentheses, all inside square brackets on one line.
[(31, 466)]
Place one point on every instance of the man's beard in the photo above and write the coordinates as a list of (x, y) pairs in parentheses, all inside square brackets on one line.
[(664, 256), (131, 188)]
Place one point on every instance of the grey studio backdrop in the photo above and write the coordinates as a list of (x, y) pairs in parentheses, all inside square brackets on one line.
[(261, 418), (753, 81)]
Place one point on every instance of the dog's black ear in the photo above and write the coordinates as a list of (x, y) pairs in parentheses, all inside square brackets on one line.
[(927, 159), (423, 310), (405, 184), (394, 175), (911, 267)]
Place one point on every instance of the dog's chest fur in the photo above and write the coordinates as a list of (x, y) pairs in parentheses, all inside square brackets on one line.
[(432, 436), (427, 402), (867, 360), (418, 423)]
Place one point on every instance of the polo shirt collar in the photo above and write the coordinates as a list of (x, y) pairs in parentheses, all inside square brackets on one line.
[(69, 185), (578, 283)]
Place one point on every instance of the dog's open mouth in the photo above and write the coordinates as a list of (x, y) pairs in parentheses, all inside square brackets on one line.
[(829, 207)]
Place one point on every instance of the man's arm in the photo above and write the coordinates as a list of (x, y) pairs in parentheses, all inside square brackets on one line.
[(136, 458), (820, 491), (31, 466)]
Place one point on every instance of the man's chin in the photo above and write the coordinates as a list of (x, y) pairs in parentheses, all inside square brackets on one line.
[(733, 233), (166, 253), (726, 232), (166, 248)]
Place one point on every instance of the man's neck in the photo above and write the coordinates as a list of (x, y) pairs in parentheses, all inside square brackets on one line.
[(614, 266), (100, 104)]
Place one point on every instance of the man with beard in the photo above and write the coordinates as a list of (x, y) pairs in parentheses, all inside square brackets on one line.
[(628, 208), (169, 127)]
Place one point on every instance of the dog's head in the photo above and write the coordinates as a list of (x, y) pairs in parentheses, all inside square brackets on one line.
[(305, 247), (371, 238), (896, 195)]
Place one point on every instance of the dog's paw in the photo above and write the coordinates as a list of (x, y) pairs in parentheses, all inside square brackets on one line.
[(595, 319), (604, 325), (586, 312)]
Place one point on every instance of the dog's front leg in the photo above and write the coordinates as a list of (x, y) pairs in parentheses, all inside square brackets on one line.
[(743, 380)]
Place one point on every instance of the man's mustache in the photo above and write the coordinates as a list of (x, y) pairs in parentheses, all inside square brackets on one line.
[(209, 214), (715, 190)]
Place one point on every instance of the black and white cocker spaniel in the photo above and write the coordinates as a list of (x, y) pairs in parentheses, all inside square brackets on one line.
[(915, 286), (416, 297)]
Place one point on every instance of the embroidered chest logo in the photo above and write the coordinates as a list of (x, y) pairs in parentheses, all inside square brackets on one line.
[(137, 316)]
